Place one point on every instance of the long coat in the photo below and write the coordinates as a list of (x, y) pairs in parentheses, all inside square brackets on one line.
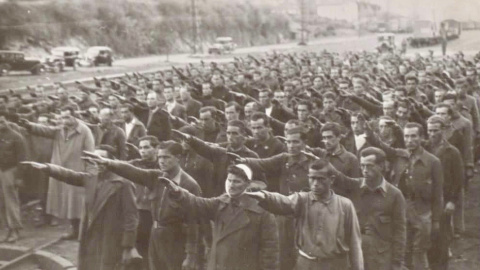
[(66, 201), (244, 239), (110, 219)]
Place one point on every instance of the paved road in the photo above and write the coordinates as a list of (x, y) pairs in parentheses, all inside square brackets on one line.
[(469, 43)]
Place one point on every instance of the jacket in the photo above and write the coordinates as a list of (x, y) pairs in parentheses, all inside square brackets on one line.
[(110, 219), (244, 239)]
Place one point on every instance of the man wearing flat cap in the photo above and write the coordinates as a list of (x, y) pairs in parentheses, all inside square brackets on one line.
[(244, 235)]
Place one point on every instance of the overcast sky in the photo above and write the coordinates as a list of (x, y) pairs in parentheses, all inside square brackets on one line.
[(442, 9)]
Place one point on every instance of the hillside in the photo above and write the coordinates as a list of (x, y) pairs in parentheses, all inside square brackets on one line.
[(135, 28)]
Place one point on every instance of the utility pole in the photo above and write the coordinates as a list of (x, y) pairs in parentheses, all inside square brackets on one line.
[(302, 23), (194, 26)]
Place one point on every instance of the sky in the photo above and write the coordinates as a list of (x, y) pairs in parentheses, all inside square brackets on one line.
[(440, 9)]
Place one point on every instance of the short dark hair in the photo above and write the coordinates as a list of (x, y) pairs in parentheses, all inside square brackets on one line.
[(379, 154), (450, 96), (154, 142), (210, 109), (445, 105), (235, 104), (306, 103), (331, 126), (329, 95), (173, 147), (415, 125), (239, 124), (260, 115), (320, 164)]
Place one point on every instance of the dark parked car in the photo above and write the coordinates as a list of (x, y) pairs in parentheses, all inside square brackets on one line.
[(99, 55), (62, 57), (16, 61)]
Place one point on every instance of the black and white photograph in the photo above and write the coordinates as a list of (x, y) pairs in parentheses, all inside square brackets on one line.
[(239, 134)]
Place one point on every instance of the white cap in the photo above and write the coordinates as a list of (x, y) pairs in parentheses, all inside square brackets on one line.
[(246, 170)]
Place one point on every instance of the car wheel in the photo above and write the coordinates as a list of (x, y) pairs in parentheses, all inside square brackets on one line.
[(38, 70), (4, 70)]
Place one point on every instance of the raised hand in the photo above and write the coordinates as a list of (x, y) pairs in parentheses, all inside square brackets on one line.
[(236, 158), (36, 165), (92, 157), (183, 136)]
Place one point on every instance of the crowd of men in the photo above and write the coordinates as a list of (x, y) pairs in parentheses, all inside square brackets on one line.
[(286, 161)]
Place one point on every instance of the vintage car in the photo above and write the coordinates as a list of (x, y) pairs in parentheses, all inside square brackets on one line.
[(99, 55), (386, 42), (16, 61), (62, 57), (222, 45)]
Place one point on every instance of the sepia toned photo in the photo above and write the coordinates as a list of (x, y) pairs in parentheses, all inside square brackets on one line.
[(239, 134)]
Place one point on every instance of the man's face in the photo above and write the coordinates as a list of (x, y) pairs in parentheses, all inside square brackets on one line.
[(358, 88), (358, 125), (343, 87), (166, 161), (248, 110), (329, 104), (317, 82), (389, 109), (435, 132), (93, 111), (175, 80), (264, 99), (231, 113), (334, 73), (62, 94), (305, 82), (206, 90), (330, 140), (412, 138), (438, 96), (105, 116), (288, 91), (443, 112), (280, 96), (399, 94), (303, 112), (152, 101), (235, 185), (295, 144), (140, 95), (155, 86), (207, 121), (126, 115), (402, 113), (168, 93), (384, 128), (319, 181), (450, 102), (462, 89), (411, 85), (217, 81), (259, 130), (147, 151), (235, 137), (66, 118), (113, 101), (370, 169)]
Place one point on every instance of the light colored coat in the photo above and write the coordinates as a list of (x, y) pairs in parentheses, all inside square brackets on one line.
[(66, 201)]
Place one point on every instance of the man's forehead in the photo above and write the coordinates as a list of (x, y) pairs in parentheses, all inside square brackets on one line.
[(144, 143), (319, 173), (410, 130), (233, 129), (368, 159)]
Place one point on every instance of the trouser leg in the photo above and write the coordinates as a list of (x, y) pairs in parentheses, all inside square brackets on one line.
[(459, 213), (143, 234), (10, 202)]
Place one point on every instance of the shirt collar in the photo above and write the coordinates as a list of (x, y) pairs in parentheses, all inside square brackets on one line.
[(339, 152), (420, 155), (382, 187), (328, 203)]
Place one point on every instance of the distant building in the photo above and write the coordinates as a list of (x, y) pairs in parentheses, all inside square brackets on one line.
[(358, 13)]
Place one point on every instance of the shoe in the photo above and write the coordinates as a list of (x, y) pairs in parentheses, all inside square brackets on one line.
[(70, 236), (6, 237), (13, 237)]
